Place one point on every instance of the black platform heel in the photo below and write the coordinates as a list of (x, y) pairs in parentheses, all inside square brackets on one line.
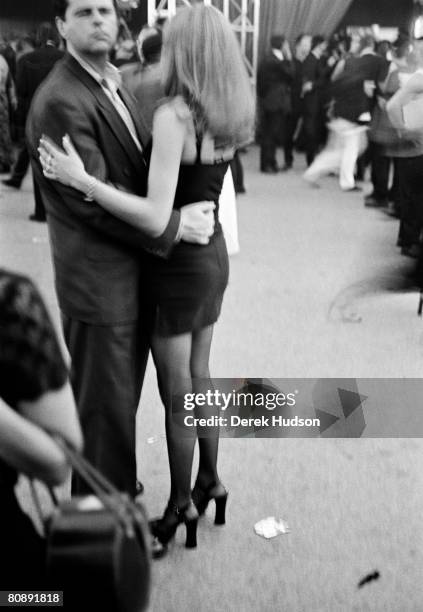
[(201, 498), (164, 528)]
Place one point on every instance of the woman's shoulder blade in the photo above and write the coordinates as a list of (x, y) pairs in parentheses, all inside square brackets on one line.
[(176, 107)]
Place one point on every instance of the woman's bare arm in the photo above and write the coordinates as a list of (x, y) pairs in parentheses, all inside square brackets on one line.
[(28, 447), (151, 213)]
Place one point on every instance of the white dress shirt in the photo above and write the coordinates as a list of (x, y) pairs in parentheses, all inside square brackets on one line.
[(110, 82)]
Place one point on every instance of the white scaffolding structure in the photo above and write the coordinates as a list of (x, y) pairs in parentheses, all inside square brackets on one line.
[(244, 16)]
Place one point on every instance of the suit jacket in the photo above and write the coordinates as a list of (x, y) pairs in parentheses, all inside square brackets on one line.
[(99, 260), (317, 72), (274, 78), (31, 70), (297, 85), (348, 92)]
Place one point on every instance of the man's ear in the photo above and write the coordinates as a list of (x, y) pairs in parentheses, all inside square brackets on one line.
[(61, 27)]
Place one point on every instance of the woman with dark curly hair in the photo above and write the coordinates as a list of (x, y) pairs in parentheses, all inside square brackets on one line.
[(36, 402)]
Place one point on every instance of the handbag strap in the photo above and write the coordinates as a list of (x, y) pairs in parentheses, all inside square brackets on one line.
[(100, 485), (107, 493)]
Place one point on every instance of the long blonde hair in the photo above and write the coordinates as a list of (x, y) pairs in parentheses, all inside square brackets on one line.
[(202, 62)]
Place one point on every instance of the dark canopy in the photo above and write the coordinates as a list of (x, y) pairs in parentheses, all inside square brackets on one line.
[(386, 13)]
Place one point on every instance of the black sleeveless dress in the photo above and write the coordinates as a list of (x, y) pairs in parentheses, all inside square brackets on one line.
[(188, 288)]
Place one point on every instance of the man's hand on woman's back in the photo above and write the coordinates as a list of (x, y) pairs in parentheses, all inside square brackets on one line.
[(197, 222)]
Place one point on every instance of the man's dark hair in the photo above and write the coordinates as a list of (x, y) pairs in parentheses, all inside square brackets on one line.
[(151, 48), (60, 7), (317, 41), (276, 41), (47, 32)]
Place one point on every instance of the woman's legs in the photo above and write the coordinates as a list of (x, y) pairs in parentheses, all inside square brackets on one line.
[(182, 364), (208, 439), (172, 359)]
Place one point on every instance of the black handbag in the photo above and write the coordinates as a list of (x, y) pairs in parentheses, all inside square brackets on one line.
[(97, 546)]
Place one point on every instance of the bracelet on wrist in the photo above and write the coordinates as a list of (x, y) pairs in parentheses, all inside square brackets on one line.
[(89, 192)]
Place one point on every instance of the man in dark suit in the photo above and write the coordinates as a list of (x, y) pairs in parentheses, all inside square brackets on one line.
[(374, 68), (315, 76), (101, 263), (302, 49), (274, 77), (32, 68)]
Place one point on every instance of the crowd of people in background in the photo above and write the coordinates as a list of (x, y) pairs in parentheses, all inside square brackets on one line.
[(324, 98), (338, 102), (329, 99)]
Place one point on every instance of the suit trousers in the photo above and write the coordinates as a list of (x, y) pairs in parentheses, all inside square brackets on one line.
[(18, 174), (21, 164), (380, 172), (271, 126), (292, 121), (346, 141), (312, 133), (108, 366), (410, 177)]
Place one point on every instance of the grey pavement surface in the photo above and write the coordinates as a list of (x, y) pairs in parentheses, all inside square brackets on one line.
[(310, 260)]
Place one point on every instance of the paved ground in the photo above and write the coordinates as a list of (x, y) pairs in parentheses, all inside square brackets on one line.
[(309, 260)]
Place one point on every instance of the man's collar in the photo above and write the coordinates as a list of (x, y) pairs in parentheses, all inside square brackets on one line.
[(367, 51), (111, 73), (278, 53)]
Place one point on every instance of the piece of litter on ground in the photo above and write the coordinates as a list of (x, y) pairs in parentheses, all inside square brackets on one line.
[(270, 527), (369, 578)]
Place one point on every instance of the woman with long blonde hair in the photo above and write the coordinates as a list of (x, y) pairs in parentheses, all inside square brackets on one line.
[(208, 112)]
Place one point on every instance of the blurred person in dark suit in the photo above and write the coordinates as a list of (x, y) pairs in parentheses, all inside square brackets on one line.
[(409, 162), (146, 86), (274, 78), (130, 73), (7, 103), (32, 69), (377, 61), (301, 51), (315, 75), (24, 45)]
